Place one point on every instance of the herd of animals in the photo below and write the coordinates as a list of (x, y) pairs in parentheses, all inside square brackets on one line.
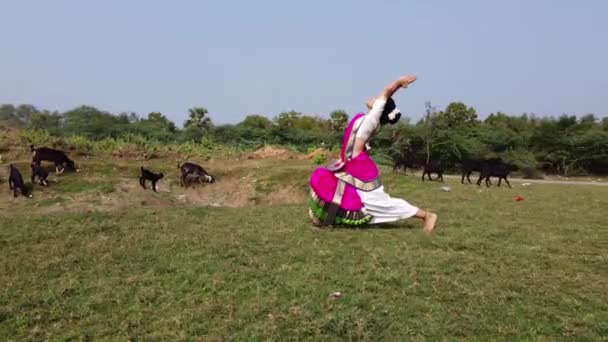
[(193, 173), (190, 172), (493, 167)]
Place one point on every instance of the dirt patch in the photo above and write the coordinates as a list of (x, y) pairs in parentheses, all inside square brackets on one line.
[(130, 195), (131, 153), (11, 146), (127, 195), (272, 152), (241, 191), (233, 193), (320, 152)]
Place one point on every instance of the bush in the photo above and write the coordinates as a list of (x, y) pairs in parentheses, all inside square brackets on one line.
[(4, 142), (531, 173), (525, 163), (35, 137), (81, 145), (319, 159), (381, 157)]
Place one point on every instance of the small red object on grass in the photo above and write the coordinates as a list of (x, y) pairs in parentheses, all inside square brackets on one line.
[(519, 198)]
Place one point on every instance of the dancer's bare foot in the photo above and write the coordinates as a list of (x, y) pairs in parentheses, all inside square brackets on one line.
[(429, 222)]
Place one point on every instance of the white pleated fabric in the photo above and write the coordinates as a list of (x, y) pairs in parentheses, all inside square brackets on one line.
[(384, 208)]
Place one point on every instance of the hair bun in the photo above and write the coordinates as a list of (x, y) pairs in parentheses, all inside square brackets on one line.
[(391, 114)]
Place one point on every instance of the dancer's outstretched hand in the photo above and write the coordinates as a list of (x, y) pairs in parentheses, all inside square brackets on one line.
[(407, 80), (402, 82)]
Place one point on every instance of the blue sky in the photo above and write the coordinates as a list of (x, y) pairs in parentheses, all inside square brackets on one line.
[(242, 57)]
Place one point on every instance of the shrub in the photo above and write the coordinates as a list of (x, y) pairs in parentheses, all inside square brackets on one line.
[(319, 159), (79, 144), (525, 162), (35, 136), (531, 173), (4, 142)]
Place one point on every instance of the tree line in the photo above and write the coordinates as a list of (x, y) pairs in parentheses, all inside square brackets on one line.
[(566, 145)]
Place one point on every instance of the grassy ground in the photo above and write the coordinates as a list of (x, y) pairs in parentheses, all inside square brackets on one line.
[(96, 257)]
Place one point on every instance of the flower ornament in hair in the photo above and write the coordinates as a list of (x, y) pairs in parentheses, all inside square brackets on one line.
[(394, 116)]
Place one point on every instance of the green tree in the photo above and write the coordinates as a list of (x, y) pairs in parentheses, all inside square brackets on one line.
[(130, 117), (156, 126), (588, 120), (7, 112), (254, 130), (453, 133), (256, 122), (458, 114), (590, 150), (198, 118), (338, 120), (25, 112), (93, 123), (287, 119), (52, 122)]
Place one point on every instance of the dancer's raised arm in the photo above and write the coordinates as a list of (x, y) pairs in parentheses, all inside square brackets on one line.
[(392, 88), (377, 107)]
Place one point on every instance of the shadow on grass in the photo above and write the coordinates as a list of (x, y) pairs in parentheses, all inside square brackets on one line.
[(403, 224)]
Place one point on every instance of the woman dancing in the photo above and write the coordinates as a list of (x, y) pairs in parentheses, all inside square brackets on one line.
[(349, 192)]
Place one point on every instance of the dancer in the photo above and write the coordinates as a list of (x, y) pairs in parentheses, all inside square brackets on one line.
[(349, 192)]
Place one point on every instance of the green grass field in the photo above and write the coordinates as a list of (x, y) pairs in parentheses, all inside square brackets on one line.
[(96, 257)]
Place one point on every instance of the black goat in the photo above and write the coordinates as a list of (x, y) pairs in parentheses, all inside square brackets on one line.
[(58, 157), (15, 183), (193, 172), (150, 176), (39, 175)]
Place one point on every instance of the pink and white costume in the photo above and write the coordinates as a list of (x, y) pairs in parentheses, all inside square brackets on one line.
[(349, 191)]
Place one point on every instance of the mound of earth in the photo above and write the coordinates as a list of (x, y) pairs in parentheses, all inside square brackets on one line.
[(320, 152), (271, 152), (10, 145)]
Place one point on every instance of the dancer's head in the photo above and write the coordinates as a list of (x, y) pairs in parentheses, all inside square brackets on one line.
[(391, 114)]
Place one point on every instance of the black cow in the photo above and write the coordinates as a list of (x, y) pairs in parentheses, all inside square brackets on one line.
[(58, 157), (403, 163), (469, 166), (433, 166), (495, 168), (193, 172), (16, 184)]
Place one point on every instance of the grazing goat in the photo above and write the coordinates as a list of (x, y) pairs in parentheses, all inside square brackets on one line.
[(433, 166), (191, 171), (56, 156), (39, 175), (147, 175), (15, 183)]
